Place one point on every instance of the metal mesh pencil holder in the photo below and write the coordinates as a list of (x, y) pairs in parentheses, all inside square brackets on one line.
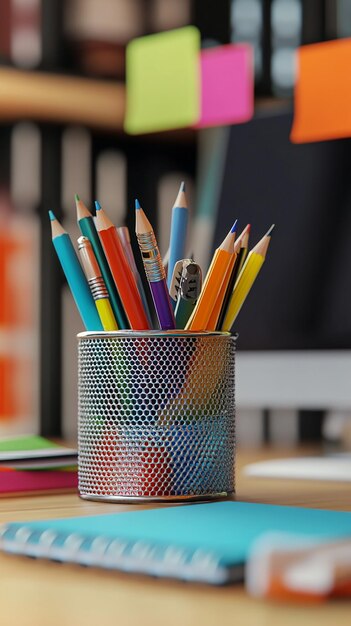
[(156, 415)]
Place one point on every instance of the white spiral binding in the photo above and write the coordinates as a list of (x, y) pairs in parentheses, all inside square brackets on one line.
[(137, 557)]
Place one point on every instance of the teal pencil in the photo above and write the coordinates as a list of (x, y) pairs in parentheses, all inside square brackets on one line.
[(75, 275), (87, 228)]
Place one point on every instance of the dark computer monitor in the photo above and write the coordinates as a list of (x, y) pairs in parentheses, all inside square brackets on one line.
[(302, 297)]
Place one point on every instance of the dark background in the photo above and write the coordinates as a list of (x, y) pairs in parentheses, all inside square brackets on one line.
[(302, 297)]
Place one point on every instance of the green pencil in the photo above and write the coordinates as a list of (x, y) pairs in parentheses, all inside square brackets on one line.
[(87, 228)]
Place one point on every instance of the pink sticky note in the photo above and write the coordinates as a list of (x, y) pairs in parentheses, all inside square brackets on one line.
[(227, 89)]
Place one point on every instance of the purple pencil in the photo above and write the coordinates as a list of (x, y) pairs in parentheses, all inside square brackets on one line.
[(155, 272)]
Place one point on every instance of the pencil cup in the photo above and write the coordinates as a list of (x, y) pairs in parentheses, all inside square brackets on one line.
[(156, 415)]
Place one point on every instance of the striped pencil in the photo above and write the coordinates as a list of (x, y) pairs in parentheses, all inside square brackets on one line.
[(96, 283)]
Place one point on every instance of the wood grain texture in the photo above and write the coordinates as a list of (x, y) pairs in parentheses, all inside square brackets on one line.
[(39, 593)]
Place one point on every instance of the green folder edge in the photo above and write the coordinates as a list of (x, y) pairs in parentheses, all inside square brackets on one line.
[(25, 443)]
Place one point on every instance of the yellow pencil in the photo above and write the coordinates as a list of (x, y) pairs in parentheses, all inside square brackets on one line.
[(96, 284), (240, 254), (212, 286), (246, 279)]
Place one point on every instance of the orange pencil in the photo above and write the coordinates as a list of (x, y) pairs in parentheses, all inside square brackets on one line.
[(121, 272), (212, 286), (212, 322)]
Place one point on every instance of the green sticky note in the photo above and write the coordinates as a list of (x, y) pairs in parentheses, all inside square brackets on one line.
[(25, 443), (163, 81)]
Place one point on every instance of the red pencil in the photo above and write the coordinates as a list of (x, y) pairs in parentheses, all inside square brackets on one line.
[(121, 272)]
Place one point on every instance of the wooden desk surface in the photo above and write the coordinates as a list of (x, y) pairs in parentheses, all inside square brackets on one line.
[(39, 593)]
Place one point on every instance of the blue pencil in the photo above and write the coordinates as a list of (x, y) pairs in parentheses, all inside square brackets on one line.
[(75, 275), (179, 226)]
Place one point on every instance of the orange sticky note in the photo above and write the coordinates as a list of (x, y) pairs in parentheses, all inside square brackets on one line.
[(323, 92)]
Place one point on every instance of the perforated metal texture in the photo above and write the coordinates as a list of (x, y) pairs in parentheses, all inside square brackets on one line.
[(156, 415)]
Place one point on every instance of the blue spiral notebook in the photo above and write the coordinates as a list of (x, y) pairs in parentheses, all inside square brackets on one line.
[(200, 542)]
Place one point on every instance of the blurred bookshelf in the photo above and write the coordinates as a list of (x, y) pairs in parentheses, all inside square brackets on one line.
[(62, 103), (44, 97), (57, 98)]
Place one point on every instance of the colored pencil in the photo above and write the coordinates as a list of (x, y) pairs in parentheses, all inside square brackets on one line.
[(87, 227), (96, 283), (213, 321), (213, 283), (124, 235), (74, 275), (241, 249), (241, 246), (121, 272), (179, 225), (189, 291), (246, 279), (154, 269)]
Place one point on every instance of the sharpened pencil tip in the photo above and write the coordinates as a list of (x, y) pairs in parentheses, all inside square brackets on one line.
[(137, 205), (248, 228), (269, 232), (182, 186), (52, 216), (76, 197), (234, 227), (97, 205)]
